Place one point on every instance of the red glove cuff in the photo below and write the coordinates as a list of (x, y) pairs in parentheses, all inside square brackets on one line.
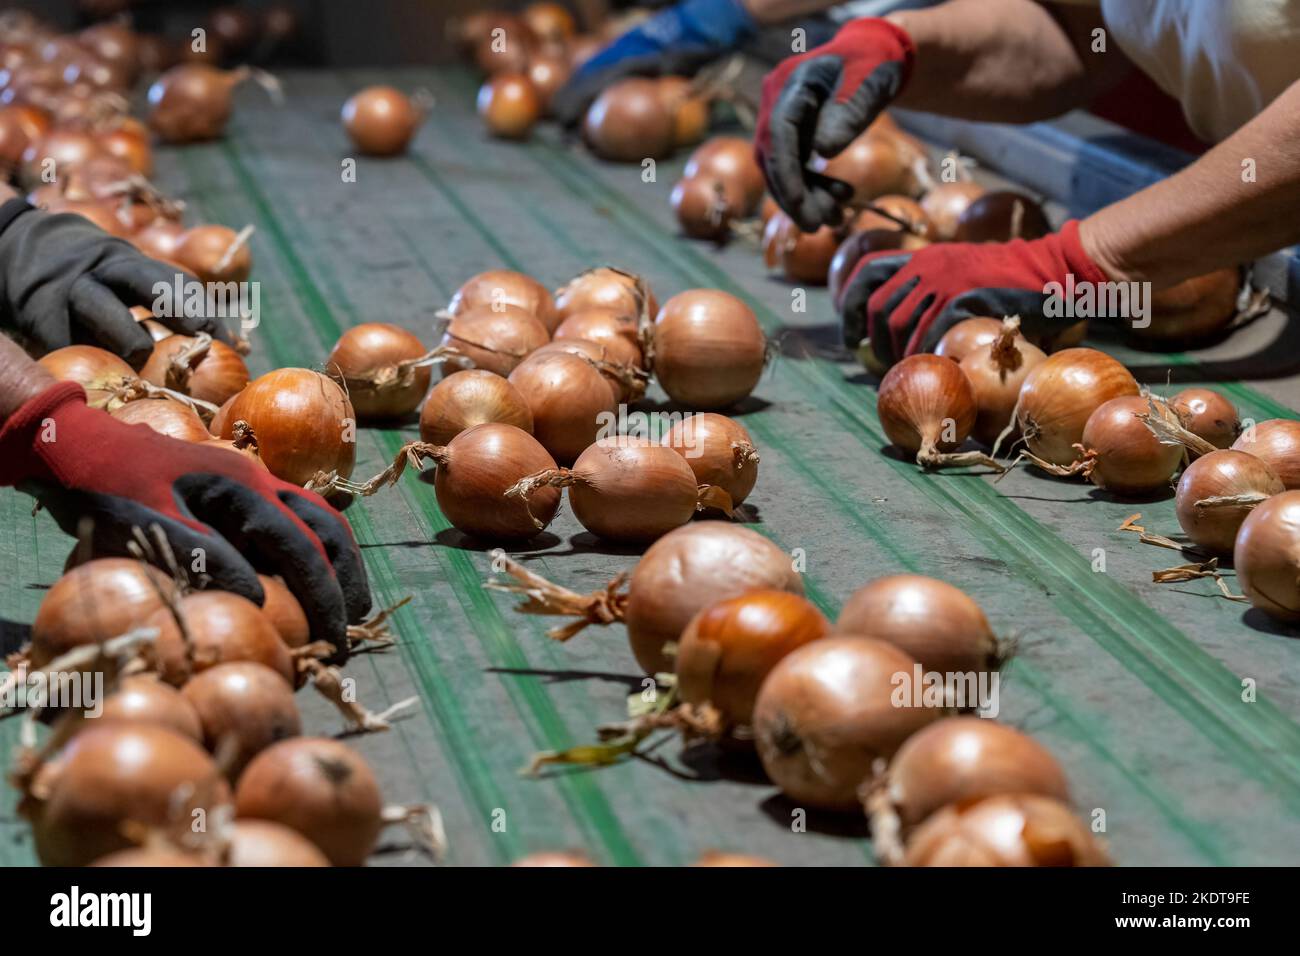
[(21, 435), (1078, 261), (877, 40)]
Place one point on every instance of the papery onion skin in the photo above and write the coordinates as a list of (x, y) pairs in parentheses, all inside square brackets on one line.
[(1005, 830), (827, 713), (380, 120), (926, 401), (481, 464), (320, 788), (936, 623), (509, 105), (571, 402), (264, 843), (1208, 415), (244, 707), (1267, 556), (502, 287), (709, 349), (691, 568), (303, 421), (731, 160), (166, 416), (217, 376), (945, 203), (367, 356), (730, 647), (604, 288), (632, 490), (615, 331), (1276, 441), (996, 373), (219, 628), (993, 217), (1223, 473), (1060, 394), (1129, 459), (719, 451), (468, 398), (629, 122), (497, 340), (143, 698)]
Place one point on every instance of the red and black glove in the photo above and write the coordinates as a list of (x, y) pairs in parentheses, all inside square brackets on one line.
[(81, 463), (820, 101), (904, 302)]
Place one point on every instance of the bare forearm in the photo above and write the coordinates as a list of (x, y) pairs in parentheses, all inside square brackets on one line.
[(778, 11), (20, 378), (1239, 201)]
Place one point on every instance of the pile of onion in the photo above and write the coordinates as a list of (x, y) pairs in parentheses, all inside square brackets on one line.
[(826, 713), (719, 451), (629, 122), (192, 102), (893, 212), (927, 408), (498, 288), (1267, 556), (496, 339), (1277, 442), (243, 708), (198, 366), (1216, 494), (1020, 829), (468, 398), (509, 105), (382, 368), (570, 401), (996, 372), (1059, 396), (381, 120), (707, 349)]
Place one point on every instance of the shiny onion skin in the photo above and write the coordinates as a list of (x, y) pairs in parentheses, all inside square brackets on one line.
[(690, 112), (1195, 309), (874, 165), (244, 707), (497, 288), (67, 149), (282, 609), (159, 239), (468, 398), (303, 422), (571, 401), (629, 122), (729, 159), (509, 105), (380, 120), (706, 208), (548, 73), (1126, 458), (719, 451), (554, 858), (604, 288), (368, 357), (496, 340), (219, 419), (144, 699), (321, 789), (803, 257), (1222, 474), (1208, 415), (730, 647), (967, 336), (996, 373), (551, 22), (122, 592), (191, 102), (263, 843), (112, 773), (1001, 217), (165, 416), (714, 858), (1060, 394), (1019, 829), (945, 204), (615, 331), (94, 369), (900, 208), (826, 713), (937, 624), (926, 406), (627, 382), (220, 628), (688, 569), (473, 475), (1276, 441), (858, 244), (708, 349), (1267, 556), (215, 253), (216, 375)]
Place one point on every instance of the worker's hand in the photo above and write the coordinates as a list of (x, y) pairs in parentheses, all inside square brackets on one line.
[(224, 515), (677, 41), (819, 102), (65, 280), (904, 302)]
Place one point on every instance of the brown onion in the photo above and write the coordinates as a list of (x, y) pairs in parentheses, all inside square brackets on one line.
[(1020, 829), (303, 421), (1001, 217), (468, 398), (1217, 492), (13, 141), (497, 340), (219, 628), (604, 288), (1267, 556), (729, 648), (627, 381), (143, 698), (477, 468), (858, 244), (1207, 415), (614, 331), (690, 110), (1060, 394), (893, 212), (381, 120), (708, 349), (215, 253), (374, 360), (1277, 442), (804, 257), (159, 239), (263, 843), (96, 370), (1122, 454), (730, 159), (946, 203), (548, 72), (571, 401), (131, 147), (927, 408), (629, 122), (282, 609), (827, 713), (165, 416), (63, 150), (550, 21), (967, 336), (996, 372), (706, 208), (719, 451), (192, 102), (548, 858), (208, 370), (244, 707), (874, 165), (1196, 308), (509, 105), (932, 621), (497, 289)]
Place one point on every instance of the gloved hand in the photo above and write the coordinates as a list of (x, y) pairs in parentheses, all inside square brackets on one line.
[(65, 280), (905, 301), (81, 463), (678, 41), (819, 102)]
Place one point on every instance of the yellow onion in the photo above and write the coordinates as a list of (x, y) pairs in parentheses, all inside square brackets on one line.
[(996, 373), (1267, 556), (498, 288), (378, 363), (570, 400), (1059, 396), (1019, 829), (708, 349), (1277, 442), (1217, 492), (165, 416), (1207, 415), (719, 451), (468, 398)]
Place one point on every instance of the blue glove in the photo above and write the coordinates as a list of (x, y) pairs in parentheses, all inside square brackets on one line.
[(677, 41)]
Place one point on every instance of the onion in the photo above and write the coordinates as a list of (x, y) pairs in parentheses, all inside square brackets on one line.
[(202, 368), (497, 289), (946, 203), (626, 380), (13, 141), (303, 421), (509, 105), (1277, 442), (381, 120), (130, 147), (235, 28), (927, 408), (996, 372), (147, 856), (729, 648), (706, 208), (719, 451), (192, 102), (1120, 453), (826, 713), (690, 110), (1207, 415), (1001, 217), (468, 398), (63, 149), (507, 52), (804, 257), (376, 361), (143, 698), (1005, 830), (1217, 492), (729, 159), (165, 416), (159, 239), (98, 371), (244, 707), (604, 288), (957, 761), (1267, 556), (215, 253), (858, 244), (282, 609), (110, 774), (629, 122), (115, 44), (878, 215), (101, 214), (1196, 308), (713, 858), (219, 628), (708, 349), (222, 415), (570, 401), (1061, 393), (263, 843), (614, 331), (874, 165), (493, 339), (968, 336), (550, 21), (932, 621), (554, 858), (321, 789), (548, 72), (623, 489)]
